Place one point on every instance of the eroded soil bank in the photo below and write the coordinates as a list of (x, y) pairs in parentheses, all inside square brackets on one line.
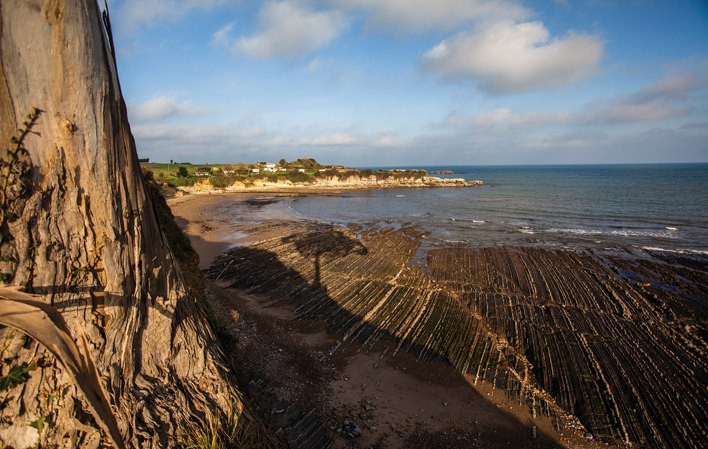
[(456, 346)]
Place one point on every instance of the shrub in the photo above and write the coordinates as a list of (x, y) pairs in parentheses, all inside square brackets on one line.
[(220, 181), (298, 177), (182, 182), (182, 172), (327, 173)]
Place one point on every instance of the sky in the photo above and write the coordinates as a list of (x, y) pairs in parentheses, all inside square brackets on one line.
[(415, 82)]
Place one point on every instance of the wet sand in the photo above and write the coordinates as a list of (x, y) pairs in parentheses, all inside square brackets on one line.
[(208, 219)]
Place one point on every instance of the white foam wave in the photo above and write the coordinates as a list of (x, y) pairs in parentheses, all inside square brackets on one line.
[(677, 251), (621, 233)]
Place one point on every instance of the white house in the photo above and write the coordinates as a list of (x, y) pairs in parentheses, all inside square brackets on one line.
[(228, 171), (301, 170), (269, 166), (254, 170)]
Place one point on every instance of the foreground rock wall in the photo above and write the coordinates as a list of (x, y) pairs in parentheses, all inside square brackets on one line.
[(82, 233), (563, 332)]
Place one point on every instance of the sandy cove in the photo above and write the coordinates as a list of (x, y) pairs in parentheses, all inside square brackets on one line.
[(395, 400)]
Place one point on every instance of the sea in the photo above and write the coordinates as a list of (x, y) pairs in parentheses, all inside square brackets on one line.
[(661, 207)]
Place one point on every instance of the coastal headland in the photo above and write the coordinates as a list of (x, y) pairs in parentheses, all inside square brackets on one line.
[(397, 340), (333, 183), (301, 175)]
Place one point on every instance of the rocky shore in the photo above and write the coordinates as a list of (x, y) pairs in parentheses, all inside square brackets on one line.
[(600, 344), (335, 183)]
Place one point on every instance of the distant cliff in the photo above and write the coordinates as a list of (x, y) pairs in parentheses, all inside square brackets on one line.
[(347, 182)]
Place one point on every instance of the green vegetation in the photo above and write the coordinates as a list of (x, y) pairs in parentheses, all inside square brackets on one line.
[(297, 177), (299, 171), (18, 374)]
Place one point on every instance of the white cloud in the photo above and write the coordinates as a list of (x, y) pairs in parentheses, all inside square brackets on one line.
[(663, 99), (413, 15), (142, 12), (163, 106), (286, 29), (669, 88), (507, 117), (222, 38), (330, 139), (620, 111), (512, 57), (389, 140), (666, 98)]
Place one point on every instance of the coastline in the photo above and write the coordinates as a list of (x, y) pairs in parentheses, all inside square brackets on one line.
[(333, 184), (266, 236), (395, 398)]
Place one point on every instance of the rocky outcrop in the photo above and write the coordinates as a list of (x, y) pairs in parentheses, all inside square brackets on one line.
[(337, 183), (79, 230), (567, 333)]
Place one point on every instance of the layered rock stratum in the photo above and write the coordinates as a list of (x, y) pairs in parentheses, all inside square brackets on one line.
[(611, 346)]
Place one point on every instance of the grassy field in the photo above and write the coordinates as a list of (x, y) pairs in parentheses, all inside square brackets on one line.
[(170, 173)]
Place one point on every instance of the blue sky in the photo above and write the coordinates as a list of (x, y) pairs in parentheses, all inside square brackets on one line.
[(416, 82)]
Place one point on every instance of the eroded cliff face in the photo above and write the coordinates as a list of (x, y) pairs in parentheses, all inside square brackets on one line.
[(83, 234), (337, 183)]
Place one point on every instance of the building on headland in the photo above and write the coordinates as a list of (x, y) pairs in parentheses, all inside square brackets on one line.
[(228, 171), (269, 166), (254, 170), (203, 172)]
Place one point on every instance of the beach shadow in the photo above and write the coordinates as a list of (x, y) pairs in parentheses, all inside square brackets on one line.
[(329, 242)]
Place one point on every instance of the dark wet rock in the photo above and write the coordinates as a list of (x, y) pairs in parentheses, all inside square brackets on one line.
[(350, 429)]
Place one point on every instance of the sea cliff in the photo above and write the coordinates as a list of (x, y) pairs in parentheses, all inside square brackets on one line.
[(333, 183)]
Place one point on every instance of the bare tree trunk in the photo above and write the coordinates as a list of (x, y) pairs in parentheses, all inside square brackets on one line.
[(85, 236)]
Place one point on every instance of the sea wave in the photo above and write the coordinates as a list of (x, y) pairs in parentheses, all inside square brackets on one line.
[(621, 232), (676, 251)]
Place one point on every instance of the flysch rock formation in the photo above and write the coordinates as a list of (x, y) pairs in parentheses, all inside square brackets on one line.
[(80, 231), (611, 352)]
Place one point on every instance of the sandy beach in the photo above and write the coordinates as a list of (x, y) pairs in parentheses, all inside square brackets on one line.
[(392, 398)]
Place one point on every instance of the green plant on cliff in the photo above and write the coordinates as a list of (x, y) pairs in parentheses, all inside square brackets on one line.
[(220, 182), (298, 177)]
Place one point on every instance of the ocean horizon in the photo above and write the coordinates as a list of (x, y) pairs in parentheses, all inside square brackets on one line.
[(648, 206)]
